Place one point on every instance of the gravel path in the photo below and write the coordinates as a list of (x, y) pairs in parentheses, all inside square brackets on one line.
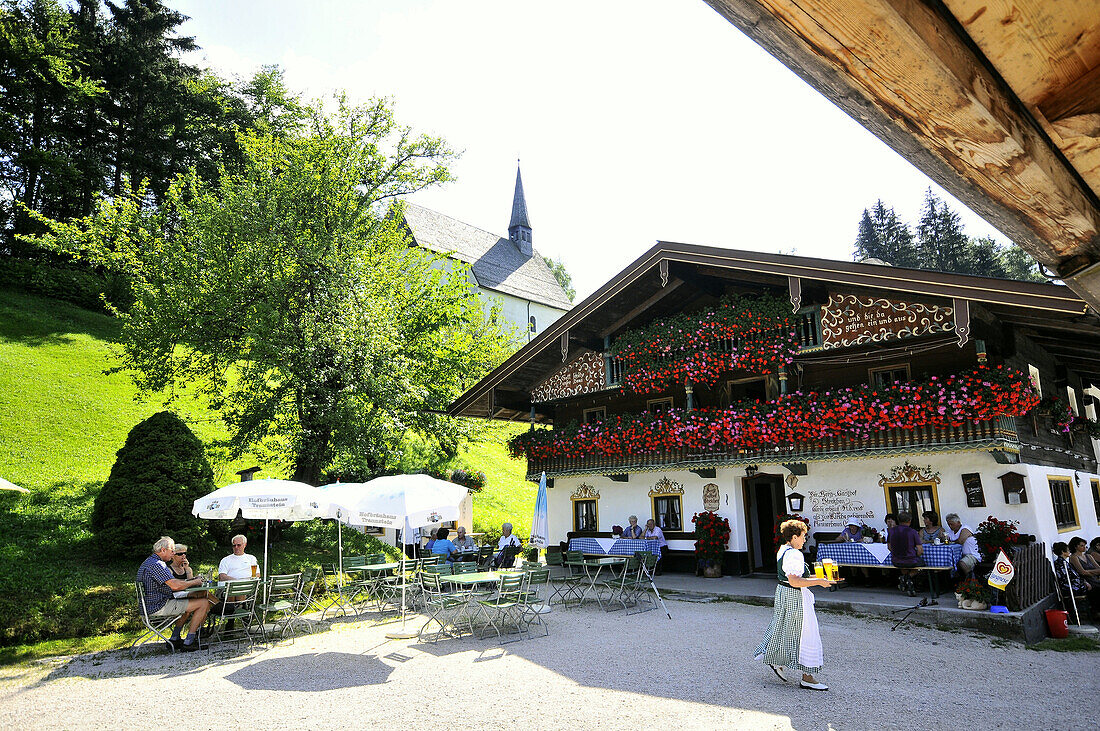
[(594, 669)]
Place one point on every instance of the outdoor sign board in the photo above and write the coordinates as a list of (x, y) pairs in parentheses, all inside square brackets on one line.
[(972, 486), (582, 375), (848, 320)]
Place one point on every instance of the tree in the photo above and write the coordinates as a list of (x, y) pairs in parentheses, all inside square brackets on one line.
[(1018, 264), (941, 242), (883, 235), (292, 301), (158, 475), (557, 267), (984, 258), (40, 79)]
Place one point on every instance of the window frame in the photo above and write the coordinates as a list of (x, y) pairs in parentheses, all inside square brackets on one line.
[(1095, 484), (680, 511), (582, 503), (650, 403), (891, 504), (1071, 503), (872, 372), (602, 409)]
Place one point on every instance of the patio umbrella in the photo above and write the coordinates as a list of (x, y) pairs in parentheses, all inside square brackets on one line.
[(5, 485), (267, 499), (388, 502), (540, 530)]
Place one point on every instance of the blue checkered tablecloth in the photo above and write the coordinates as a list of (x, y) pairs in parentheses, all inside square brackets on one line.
[(621, 547), (942, 556)]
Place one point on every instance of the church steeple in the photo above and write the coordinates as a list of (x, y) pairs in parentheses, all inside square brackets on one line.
[(519, 228)]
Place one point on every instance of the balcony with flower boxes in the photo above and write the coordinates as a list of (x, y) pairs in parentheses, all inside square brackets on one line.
[(998, 436)]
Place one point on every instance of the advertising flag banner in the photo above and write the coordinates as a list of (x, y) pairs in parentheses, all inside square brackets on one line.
[(1003, 571)]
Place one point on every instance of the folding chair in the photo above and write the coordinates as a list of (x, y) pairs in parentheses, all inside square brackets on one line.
[(238, 613), (334, 581), (567, 583), (154, 626), (641, 588), (303, 600), (507, 604), (619, 587), (280, 599), (464, 567), (535, 605), (441, 608), (485, 557), (430, 559)]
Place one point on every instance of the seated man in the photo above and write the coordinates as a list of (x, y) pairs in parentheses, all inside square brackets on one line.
[(507, 547), (462, 541), (956, 532), (443, 545), (159, 585), (632, 530), (238, 565), (652, 531), (906, 551)]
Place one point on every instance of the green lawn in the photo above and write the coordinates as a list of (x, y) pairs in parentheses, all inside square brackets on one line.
[(62, 418)]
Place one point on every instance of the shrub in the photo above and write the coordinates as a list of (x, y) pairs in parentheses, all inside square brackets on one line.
[(70, 282), (159, 473), (712, 533)]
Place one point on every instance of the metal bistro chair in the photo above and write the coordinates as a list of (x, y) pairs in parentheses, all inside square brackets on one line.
[(641, 591), (333, 581), (430, 559), (619, 588), (571, 582), (154, 626), (464, 567), (280, 599), (303, 600), (238, 612), (485, 557), (441, 608), (534, 603), (507, 606)]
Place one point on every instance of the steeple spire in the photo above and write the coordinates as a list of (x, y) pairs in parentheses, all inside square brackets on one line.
[(519, 228)]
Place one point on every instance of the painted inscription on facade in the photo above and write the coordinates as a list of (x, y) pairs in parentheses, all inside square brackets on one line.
[(583, 375), (848, 319), (833, 508)]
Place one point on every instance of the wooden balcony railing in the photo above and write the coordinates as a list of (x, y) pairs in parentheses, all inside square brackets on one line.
[(978, 435)]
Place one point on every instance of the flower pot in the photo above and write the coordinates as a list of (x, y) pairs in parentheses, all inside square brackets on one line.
[(713, 571)]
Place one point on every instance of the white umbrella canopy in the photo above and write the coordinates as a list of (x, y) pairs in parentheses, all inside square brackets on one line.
[(267, 499), (5, 485), (387, 502)]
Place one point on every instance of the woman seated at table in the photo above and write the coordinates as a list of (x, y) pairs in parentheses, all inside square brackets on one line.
[(932, 532), (1094, 550), (443, 546), (852, 533), (432, 537), (632, 530), (1082, 563), (181, 569)]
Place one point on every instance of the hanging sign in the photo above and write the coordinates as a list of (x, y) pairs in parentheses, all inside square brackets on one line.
[(584, 374), (972, 486), (711, 497), (848, 319)]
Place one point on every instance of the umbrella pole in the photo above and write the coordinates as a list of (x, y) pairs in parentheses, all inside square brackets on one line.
[(265, 551), (402, 635)]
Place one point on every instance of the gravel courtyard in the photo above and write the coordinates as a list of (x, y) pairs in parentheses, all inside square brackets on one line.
[(594, 670)]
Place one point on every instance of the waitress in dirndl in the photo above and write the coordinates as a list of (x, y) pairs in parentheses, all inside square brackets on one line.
[(793, 641)]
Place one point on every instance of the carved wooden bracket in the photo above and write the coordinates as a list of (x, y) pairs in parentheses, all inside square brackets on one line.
[(662, 267), (794, 286), (962, 319)]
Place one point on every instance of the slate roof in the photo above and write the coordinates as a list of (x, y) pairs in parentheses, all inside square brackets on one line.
[(496, 261)]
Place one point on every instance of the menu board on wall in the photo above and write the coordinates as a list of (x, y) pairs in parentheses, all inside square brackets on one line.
[(972, 486)]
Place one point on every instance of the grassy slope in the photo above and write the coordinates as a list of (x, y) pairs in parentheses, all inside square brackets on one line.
[(61, 421)]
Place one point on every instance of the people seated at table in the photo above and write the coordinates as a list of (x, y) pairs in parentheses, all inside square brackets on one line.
[(410, 539), (238, 565), (180, 566), (1094, 549), (906, 551), (963, 535), (932, 532), (632, 530), (507, 547), (432, 537), (1082, 563), (1069, 581), (852, 533), (653, 532), (443, 545), (462, 541), (891, 520), (159, 585)]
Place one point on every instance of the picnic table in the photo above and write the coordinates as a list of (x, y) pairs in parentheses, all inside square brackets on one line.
[(615, 546), (936, 558)]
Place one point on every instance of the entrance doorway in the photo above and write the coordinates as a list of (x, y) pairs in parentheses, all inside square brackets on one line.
[(763, 501)]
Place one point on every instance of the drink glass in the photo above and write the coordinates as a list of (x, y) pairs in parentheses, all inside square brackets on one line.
[(255, 571), (819, 570)]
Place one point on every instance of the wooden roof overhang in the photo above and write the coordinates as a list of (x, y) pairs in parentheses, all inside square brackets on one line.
[(998, 101), (642, 291)]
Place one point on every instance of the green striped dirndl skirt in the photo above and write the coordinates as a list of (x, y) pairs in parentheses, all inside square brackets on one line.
[(780, 645)]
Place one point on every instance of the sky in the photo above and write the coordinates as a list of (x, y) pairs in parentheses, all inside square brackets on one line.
[(635, 120)]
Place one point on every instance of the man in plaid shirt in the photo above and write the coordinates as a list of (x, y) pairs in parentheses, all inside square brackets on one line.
[(159, 584)]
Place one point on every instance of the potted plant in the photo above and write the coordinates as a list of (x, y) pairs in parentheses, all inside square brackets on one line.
[(616, 531), (995, 535), (712, 534), (869, 534), (972, 594), (783, 518)]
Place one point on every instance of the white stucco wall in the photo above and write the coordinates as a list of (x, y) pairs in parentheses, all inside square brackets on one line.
[(839, 490), (517, 311)]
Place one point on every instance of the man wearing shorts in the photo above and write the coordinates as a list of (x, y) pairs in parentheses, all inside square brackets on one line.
[(159, 585)]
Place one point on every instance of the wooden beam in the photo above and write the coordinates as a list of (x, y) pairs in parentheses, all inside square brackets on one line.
[(906, 71), (660, 294), (1078, 97)]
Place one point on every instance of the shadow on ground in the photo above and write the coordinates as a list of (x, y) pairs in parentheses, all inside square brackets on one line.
[(312, 672)]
